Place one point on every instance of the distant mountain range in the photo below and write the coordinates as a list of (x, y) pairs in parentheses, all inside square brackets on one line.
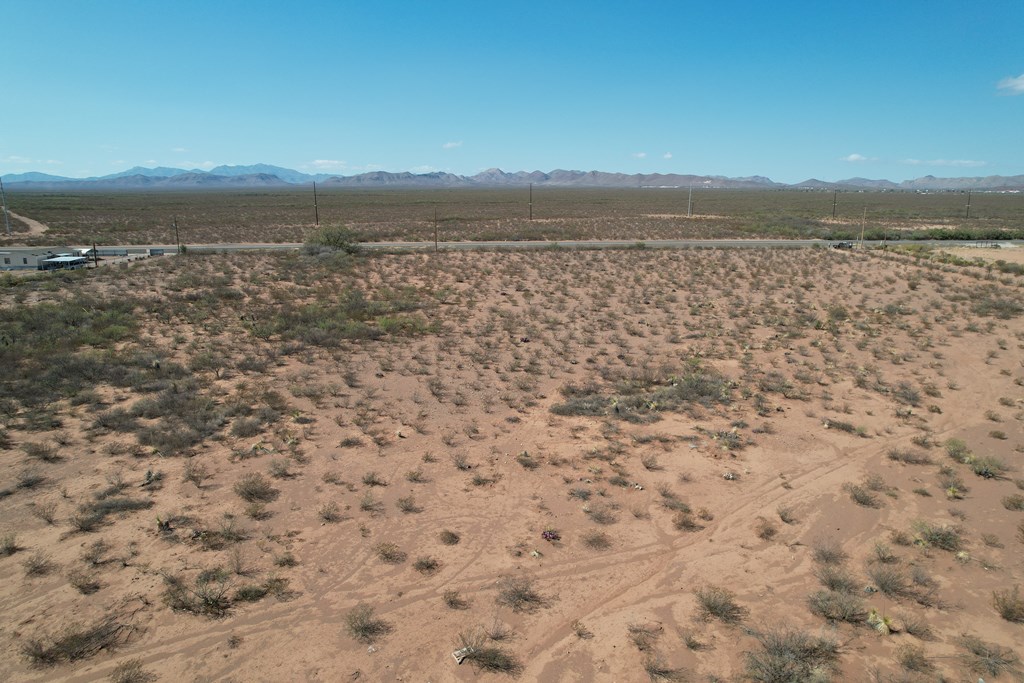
[(265, 175)]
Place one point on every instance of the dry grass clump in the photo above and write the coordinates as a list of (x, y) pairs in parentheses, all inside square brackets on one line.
[(363, 624), (1014, 502), (255, 488), (828, 551), (454, 600), (9, 545), (643, 635), (407, 505), (449, 537), (764, 529), (987, 659), (939, 536), (518, 593), (486, 657), (390, 553), (329, 512), (207, 595), (426, 565), (912, 658), (37, 564), (909, 457), (791, 656), (835, 578), (76, 642), (862, 496), (85, 582), (131, 671), (657, 669), (837, 606), (1009, 604), (890, 581), (596, 540), (719, 603)]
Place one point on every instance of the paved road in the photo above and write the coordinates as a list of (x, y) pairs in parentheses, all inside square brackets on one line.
[(577, 244)]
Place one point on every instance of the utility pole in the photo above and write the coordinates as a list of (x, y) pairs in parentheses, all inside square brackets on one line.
[(3, 197), (689, 203), (435, 229), (316, 209), (177, 240), (835, 199), (95, 256), (862, 221), (531, 201), (968, 203)]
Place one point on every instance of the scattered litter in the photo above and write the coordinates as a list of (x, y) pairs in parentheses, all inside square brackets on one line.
[(535, 553), (370, 650), (461, 654), (730, 476)]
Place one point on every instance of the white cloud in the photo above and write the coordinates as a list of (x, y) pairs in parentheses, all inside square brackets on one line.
[(452, 145), (425, 168), (961, 163), (178, 149), (328, 164), (855, 158), (1011, 85), (639, 155), (26, 161), (666, 155), (194, 164)]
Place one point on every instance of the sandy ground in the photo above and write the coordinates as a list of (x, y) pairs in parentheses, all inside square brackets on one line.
[(1008, 254), (808, 341), (35, 228)]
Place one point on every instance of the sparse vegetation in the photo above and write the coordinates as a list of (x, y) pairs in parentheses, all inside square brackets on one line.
[(1009, 604), (519, 594), (363, 624), (436, 372), (789, 655), (254, 488), (719, 603)]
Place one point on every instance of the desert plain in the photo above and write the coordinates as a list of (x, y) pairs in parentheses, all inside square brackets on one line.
[(615, 465)]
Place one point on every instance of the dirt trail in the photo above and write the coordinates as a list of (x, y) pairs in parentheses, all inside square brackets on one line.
[(35, 228)]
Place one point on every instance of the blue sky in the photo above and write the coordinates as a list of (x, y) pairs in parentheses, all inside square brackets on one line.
[(790, 90)]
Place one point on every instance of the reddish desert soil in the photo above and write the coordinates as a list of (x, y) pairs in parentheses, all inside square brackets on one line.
[(827, 363)]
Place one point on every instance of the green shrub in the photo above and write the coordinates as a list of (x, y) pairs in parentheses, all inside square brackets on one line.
[(332, 238)]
